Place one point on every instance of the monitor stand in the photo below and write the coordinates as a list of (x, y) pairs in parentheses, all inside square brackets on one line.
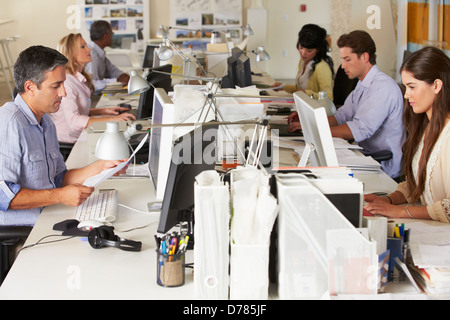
[(306, 153)]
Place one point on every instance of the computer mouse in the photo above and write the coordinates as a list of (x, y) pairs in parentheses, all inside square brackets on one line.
[(88, 225)]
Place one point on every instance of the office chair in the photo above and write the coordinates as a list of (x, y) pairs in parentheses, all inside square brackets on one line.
[(65, 149), (9, 236), (379, 156), (14, 94), (343, 86)]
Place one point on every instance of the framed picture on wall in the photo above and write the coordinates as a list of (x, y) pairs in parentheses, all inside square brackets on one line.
[(129, 19), (202, 17)]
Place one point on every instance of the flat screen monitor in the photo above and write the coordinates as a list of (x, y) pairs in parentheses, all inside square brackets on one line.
[(231, 80), (149, 56), (232, 75), (236, 53), (193, 153), (244, 72), (316, 131), (161, 141), (156, 80)]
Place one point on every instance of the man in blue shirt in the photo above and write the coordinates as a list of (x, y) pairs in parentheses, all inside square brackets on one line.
[(372, 113), (32, 170), (102, 69)]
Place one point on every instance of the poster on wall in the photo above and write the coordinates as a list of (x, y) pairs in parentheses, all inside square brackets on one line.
[(129, 20), (198, 18)]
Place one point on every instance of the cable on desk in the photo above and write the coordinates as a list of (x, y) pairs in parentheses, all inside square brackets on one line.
[(52, 235), (132, 209), (137, 228)]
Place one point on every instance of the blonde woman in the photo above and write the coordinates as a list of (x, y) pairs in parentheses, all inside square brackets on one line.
[(75, 112)]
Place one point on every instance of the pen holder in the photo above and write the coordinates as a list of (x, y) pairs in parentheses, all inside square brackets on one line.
[(170, 269)]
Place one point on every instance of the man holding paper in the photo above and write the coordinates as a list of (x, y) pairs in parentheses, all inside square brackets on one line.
[(32, 170)]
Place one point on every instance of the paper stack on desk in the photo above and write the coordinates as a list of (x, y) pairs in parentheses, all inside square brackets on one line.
[(432, 268), (345, 153), (348, 158)]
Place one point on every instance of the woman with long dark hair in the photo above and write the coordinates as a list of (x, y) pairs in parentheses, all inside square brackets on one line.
[(315, 70), (426, 191)]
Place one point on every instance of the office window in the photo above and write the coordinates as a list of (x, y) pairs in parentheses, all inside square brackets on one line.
[(429, 24), (444, 24)]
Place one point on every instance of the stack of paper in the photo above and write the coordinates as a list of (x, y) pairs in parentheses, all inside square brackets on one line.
[(345, 153), (348, 158), (114, 87), (432, 268)]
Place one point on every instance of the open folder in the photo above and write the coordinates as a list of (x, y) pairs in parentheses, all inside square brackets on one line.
[(106, 174)]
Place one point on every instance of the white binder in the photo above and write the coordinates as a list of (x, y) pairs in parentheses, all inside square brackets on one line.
[(211, 230)]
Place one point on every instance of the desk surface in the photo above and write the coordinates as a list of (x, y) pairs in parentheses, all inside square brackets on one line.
[(71, 269)]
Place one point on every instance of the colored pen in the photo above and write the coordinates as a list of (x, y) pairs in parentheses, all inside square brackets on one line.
[(397, 232), (406, 244), (163, 247)]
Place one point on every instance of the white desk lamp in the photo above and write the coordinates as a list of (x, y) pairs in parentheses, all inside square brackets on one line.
[(261, 54), (112, 144), (137, 84)]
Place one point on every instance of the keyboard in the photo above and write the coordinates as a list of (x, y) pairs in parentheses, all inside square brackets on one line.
[(100, 206), (283, 130)]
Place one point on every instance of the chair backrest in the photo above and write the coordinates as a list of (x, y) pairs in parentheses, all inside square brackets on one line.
[(343, 86), (9, 236), (14, 94)]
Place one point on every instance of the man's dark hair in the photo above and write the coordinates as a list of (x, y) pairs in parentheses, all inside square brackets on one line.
[(33, 64), (99, 29), (360, 42)]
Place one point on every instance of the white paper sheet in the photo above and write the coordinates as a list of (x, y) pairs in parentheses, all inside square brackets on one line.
[(104, 175), (426, 256)]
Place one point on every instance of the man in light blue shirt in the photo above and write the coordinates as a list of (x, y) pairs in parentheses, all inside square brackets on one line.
[(102, 69), (32, 170), (372, 113)]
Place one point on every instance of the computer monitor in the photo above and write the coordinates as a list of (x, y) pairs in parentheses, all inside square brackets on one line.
[(236, 52), (231, 80), (156, 80), (149, 56), (192, 154), (244, 72), (161, 141), (316, 131)]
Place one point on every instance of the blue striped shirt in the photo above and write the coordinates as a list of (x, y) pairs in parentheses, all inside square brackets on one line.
[(29, 158), (373, 112)]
